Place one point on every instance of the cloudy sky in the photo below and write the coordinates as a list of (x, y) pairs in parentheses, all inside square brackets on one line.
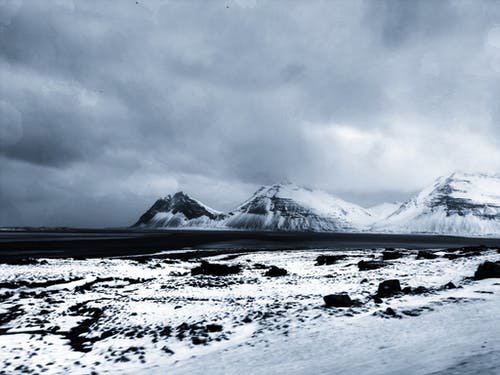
[(107, 105)]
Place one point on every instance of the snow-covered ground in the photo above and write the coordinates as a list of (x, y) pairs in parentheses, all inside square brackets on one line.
[(151, 316)]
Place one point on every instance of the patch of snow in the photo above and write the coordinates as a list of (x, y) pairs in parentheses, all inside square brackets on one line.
[(383, 210)]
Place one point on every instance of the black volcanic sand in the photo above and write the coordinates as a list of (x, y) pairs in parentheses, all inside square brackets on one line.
[(15, 245)]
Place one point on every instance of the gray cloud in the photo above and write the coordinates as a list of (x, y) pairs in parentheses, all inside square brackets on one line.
[(107, 105)]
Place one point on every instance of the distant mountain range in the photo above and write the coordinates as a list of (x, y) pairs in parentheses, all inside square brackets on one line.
[(466, 204)]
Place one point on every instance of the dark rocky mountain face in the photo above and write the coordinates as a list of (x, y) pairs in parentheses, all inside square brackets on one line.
[(460, 204), (264, 205), (462, 207), (284, 207), (178, 203), (289, 207), (443, 196)]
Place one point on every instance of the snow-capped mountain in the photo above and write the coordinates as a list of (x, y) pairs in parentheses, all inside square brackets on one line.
[(292, 208), (179, 210), (465, 204), (284, 207)]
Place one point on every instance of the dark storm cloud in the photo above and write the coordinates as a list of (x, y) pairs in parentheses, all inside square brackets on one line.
[(106, 105), (399, 22)]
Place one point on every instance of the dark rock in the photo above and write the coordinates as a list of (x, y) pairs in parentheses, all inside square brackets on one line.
[(426, 254), (338, 300), (467, 251), (12, 313), (88, 286), (389, 311), (487, 270), (417, 290), (363, 281), (420, 290), (450, 285), (214, 327), (412, 312), (377, 299), (167, 350), (78, 335), (142, 260), (259, 266), (231, 257), (453, 256), (37, 284), (214, 269), (366, 265), (276, 272), (388, 288), (406, 290), (323, 260), (165, 332), (389, 255), (196, 340)]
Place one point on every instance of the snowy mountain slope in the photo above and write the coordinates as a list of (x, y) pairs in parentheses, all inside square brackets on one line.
[(464, 204), (383, 210), (284, 207), (292, 208), (460, 204), (179, 210)]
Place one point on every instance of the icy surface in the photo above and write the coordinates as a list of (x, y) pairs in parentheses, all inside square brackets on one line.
[(149, 315)]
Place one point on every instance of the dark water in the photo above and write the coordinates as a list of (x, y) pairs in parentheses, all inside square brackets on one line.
[(104, 243)]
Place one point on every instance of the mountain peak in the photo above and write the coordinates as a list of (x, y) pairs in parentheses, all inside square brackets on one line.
[(173, 210), (463, 203), (468, 175), (287, 206)]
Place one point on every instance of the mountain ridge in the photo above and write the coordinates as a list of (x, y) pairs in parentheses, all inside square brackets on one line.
[(460, 203), (455, 204)]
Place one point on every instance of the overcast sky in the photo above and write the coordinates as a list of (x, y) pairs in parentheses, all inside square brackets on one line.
[(107, 105)]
